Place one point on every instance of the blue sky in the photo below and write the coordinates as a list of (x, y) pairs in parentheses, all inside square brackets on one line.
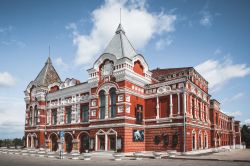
[(212, 36)]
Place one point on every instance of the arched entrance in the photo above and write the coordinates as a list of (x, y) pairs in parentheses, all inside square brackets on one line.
[(106, 141), (54, 143), (84, 142), (112, 138), (28, 141), (217, 140), (68, 142)]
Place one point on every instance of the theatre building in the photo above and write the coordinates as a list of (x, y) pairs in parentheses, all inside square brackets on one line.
[(124, 106)]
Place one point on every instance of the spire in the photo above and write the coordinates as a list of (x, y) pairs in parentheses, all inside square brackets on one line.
[(48, 61), (119, 29), (120, 46), (47, 75)]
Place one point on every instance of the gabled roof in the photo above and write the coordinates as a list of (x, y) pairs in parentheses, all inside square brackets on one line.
[(120, 46), (47, 75)]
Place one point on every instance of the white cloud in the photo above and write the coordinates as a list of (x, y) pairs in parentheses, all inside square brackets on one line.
[(14, 42), (59, 62), (247, 121), (206, 19), (236, 113), (140, 26), (12, 114), (6, 79), (233, 98), (160, 44), (218, 73)]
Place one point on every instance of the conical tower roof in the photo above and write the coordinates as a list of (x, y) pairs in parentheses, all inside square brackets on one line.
[(47, 75), (120, 46)]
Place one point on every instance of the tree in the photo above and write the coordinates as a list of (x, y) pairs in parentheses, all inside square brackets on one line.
[(245, 135), (1, 143)]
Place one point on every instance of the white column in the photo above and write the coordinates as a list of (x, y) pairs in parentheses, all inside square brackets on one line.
[(96, 142), (78, 108), (27, 142), (184, 102), (157, 108), (179, 105), (106, 142), (171, 106)]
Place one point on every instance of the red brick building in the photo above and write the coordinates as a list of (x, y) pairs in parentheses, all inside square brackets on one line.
[(124, 106)]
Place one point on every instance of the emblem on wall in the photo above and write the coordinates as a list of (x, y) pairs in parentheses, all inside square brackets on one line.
[(107, 69)]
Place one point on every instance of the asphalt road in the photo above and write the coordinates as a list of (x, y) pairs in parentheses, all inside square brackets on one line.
[(18, 160)]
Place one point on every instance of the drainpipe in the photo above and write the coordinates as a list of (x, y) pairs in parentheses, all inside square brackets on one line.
[(184, 117)]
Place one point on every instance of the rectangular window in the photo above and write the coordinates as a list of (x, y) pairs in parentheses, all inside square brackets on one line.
[(199, 107), (138, 113), (85, 113), (193, 109), (205, 113), (68, 115), (216, 118), (54, 117)]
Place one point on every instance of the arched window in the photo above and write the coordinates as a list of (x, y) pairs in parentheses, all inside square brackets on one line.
[(112, 93), (102, 104), (36, 115), (31, 116)]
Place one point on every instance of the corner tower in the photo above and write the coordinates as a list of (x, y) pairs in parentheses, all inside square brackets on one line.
[(35, 98)]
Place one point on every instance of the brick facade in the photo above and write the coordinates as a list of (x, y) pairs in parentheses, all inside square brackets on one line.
[(126, 107)]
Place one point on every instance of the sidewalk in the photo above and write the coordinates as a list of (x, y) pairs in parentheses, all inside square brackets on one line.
[(242, 155)]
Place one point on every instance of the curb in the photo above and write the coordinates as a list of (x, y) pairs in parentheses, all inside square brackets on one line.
[(178, 158)]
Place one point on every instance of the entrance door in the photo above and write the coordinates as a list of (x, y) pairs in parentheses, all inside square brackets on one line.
[(84, 143), (112, 142), (54, 143), (69, 145), (102, 142)]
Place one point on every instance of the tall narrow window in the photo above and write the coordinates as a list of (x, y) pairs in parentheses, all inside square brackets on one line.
[(138, 113), (112, 93), (54, 117), (31, 116), (102, 104), (194, 141), (193, 109), (36, 115), (85, 113), (216, 118), (68, 115), (205, 113), (199, 107)]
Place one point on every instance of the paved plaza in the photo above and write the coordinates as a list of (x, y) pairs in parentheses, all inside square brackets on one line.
[(234, 158)]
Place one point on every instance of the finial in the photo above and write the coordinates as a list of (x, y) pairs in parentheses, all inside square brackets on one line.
[(49, 50), (120, 15)]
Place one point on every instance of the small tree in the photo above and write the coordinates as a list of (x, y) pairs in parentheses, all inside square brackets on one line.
[(245, 135), (1, 143)]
